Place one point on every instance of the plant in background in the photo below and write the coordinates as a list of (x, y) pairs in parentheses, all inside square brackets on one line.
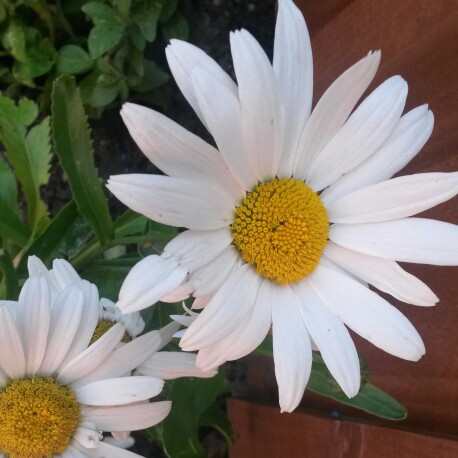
[(103, 42)]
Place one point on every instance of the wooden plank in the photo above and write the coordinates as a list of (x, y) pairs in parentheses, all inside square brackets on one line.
[(262, 431)]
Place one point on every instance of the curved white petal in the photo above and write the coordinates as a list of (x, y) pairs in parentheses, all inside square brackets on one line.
[(263, 114), (293, 66), (394, 199), (174, 201), (194, 249), (33, 317), (407, 139), (332, 111), (170, 365), (64, 273), (183, 58), (92, 357), (12, 357), (211, 276), (125, 358), (367, 314), (384, 274), (119, 391), (106, 450), (149, 280), (173, 149), (66, 317), (223, 115), (180, 293), (418, 240), (88, 438), (326, 262), (228, 307), (332, 339), (129, 417), (364, 131), (88, 322), (291, 348)]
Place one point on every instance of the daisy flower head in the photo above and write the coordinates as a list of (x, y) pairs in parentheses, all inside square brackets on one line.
[(59, 389), (294, 213)]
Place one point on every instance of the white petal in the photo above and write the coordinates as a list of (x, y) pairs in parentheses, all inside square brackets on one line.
[(64, 273), (125, 358), (33, 316), (149, 280), (170, 365), (88, 322), (66, 317), (87, 437), (183, 58), (228, 307), (263, 114), (364, 131), (119, 391), (72, 452), (291, 348), (174, 201), (367, 314), (332, 111), (385, 275), (194, 249), (248, 336), (176, 151), (332, 339), (419, 240), (12, 358), (130, 417), (293, 67), (394, 199), (179, 294), (210, 277), (167, 332), (408, 137), (92, 357), (105, 450), (223, 115), (326, 262)]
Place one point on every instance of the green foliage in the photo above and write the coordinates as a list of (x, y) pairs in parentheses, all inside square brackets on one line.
[(103, 42)]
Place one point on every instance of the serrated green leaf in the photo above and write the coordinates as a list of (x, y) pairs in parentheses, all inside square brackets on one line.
[(103, 38), (74, 60), (30, 161), (146, 17), (190, 398), (176, 27), (9, 281), (46, 245), (73, 146)]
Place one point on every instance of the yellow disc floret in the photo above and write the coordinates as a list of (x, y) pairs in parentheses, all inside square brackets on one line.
[(102, 327), (38, 418), (281, 228)]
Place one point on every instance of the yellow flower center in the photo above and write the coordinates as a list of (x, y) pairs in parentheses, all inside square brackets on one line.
[(102, 327), (281, 228), (38, 418)]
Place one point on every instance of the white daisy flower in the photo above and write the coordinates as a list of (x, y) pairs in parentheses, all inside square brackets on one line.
[(58, 392), (294, 213)]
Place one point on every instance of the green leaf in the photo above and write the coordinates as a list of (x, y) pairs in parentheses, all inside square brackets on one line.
[(46, 245), (73, 146), (168, 8), (108, 30), (370, 398), (130, 223), (153, 77), (39, 61), (10, 281), (29, 154), (123, 7), (8, 186), (176, 27), (215, 417), (11, 227), (14, 41), (73, 59), (146, 16), (190, 398), (105, 91)]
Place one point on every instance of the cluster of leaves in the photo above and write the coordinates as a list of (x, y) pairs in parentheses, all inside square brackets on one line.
[(85, 233), (103, 42)]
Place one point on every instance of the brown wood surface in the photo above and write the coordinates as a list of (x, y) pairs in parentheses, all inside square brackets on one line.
[(419, 40)]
